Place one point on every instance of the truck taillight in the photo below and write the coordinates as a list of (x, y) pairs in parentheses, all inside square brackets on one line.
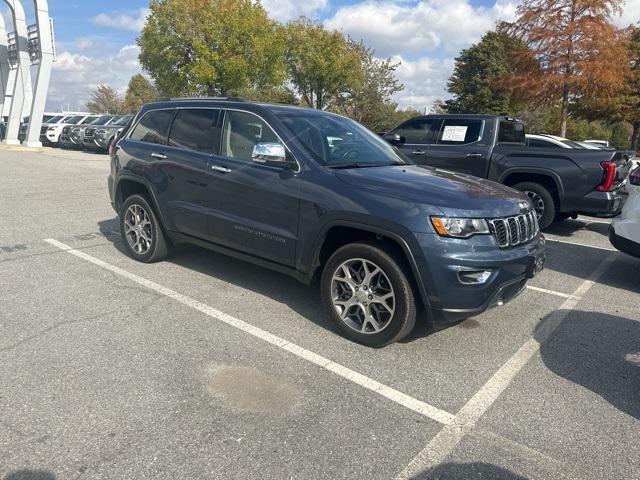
[(634, 176), (608, 176)]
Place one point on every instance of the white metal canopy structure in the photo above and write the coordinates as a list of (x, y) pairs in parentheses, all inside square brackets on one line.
[(27, 46)]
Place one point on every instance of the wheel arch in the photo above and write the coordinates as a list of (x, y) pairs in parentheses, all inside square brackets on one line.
[(546, 178), (129, 185), (339, 233)]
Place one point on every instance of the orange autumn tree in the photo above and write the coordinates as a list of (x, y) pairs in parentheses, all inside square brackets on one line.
[(580, 52)]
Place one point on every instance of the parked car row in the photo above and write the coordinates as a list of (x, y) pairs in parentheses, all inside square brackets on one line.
[(78, 131)]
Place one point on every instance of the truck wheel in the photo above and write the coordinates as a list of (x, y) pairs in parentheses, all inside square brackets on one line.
[(542, 201), (368, 295), (142, 233)]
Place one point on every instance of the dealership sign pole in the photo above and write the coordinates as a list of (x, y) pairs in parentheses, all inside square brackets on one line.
[(41, 53), (19, 61), (4, 67)]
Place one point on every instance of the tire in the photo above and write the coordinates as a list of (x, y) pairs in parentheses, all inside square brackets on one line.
[(152, 244), (392, 321), (543, 202)]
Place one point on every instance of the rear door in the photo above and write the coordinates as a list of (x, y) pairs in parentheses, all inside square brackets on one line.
[(194, 136), (416, 135), (253, 206), (459, 147)]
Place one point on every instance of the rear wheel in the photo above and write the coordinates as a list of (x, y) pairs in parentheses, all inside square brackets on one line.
[(368, 295), (542, 201), (142, 233)]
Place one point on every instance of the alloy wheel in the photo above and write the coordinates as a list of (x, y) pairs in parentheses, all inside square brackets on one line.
[(538, 203), (362, 296), (138, 229)]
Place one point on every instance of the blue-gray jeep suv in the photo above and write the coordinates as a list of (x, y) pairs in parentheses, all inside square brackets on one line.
[(316, 195)]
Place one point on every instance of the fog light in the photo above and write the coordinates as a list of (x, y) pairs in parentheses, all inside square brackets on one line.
[(474, 277)]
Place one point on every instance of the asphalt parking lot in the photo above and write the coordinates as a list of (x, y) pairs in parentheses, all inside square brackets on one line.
[(206, 367)]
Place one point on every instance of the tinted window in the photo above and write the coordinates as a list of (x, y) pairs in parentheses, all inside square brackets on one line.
[(153, 127), (196, 129), (511, 132), (458, 132), (418, 130), (538, 143), (240, 133), (121, 121), (74, 120)]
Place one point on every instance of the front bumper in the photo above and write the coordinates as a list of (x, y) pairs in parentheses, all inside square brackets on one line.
[(442, 261), (624, 244)]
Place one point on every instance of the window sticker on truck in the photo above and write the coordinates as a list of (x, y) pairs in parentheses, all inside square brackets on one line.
[(454, 133)]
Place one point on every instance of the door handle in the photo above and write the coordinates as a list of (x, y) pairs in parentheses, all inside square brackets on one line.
[(218, 168), (419, 152), (474, 155), (161, 156)]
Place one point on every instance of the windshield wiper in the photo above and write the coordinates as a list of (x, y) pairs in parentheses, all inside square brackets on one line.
[(363, 165)]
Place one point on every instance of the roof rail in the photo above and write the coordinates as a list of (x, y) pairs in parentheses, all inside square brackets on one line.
[(229, 99)]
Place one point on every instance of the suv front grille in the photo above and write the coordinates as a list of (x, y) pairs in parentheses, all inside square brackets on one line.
[(65, 130), (89, 132), (514, 231)]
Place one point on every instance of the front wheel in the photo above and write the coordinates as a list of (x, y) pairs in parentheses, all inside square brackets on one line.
[(542, 200), (368, 295)]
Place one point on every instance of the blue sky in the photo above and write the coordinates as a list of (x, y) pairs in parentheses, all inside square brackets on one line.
[(96, 40)]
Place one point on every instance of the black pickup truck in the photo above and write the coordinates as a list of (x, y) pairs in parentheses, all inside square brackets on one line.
[(560, 183)]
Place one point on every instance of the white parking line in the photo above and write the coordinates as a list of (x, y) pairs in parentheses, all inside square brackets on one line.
[(551, 239), (396, 396), (448, 438), (550, 292)]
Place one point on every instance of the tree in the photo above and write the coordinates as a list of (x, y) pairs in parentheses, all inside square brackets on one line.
[(479, 83), (104, 99), (139, 91), (282, 95), (211, 47), (580, 53), (368, 99), (321, 63)]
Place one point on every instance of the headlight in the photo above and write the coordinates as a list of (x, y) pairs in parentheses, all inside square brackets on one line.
[(460, 227)]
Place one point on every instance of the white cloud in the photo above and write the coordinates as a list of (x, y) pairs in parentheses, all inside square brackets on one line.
[(630, 14), (430, 25), (285, 10), (122, 21), (74, 74), (424, 81)]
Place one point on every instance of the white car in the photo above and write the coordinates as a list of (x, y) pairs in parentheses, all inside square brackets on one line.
[(53, 132), (625, 229), (552, 141)]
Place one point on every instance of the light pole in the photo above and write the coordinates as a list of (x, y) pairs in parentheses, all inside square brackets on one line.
[(4, 66)]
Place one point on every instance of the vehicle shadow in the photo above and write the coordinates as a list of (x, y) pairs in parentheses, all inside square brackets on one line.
[(579, 261), (567, 228), (30, 475), (467, 471), (303, 299), (600, 352)]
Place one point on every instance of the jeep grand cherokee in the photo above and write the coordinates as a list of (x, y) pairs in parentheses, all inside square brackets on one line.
[(316, 195)]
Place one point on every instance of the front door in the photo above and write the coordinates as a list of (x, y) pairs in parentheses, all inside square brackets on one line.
[(253, 208), (458, 147), (415, 136)]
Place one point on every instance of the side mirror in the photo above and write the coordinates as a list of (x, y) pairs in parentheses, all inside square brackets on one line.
[(394, 138), (271, 154)]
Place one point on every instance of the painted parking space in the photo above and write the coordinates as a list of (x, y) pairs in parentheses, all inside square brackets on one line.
[(101, 372)]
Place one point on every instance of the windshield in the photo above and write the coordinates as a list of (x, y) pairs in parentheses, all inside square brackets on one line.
[(74, 120), (88, 120), (121, 121), (56, 119), (102, 120), (336, 142)]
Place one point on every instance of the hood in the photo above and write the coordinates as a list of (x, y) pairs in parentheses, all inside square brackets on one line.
[(453, 193)]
